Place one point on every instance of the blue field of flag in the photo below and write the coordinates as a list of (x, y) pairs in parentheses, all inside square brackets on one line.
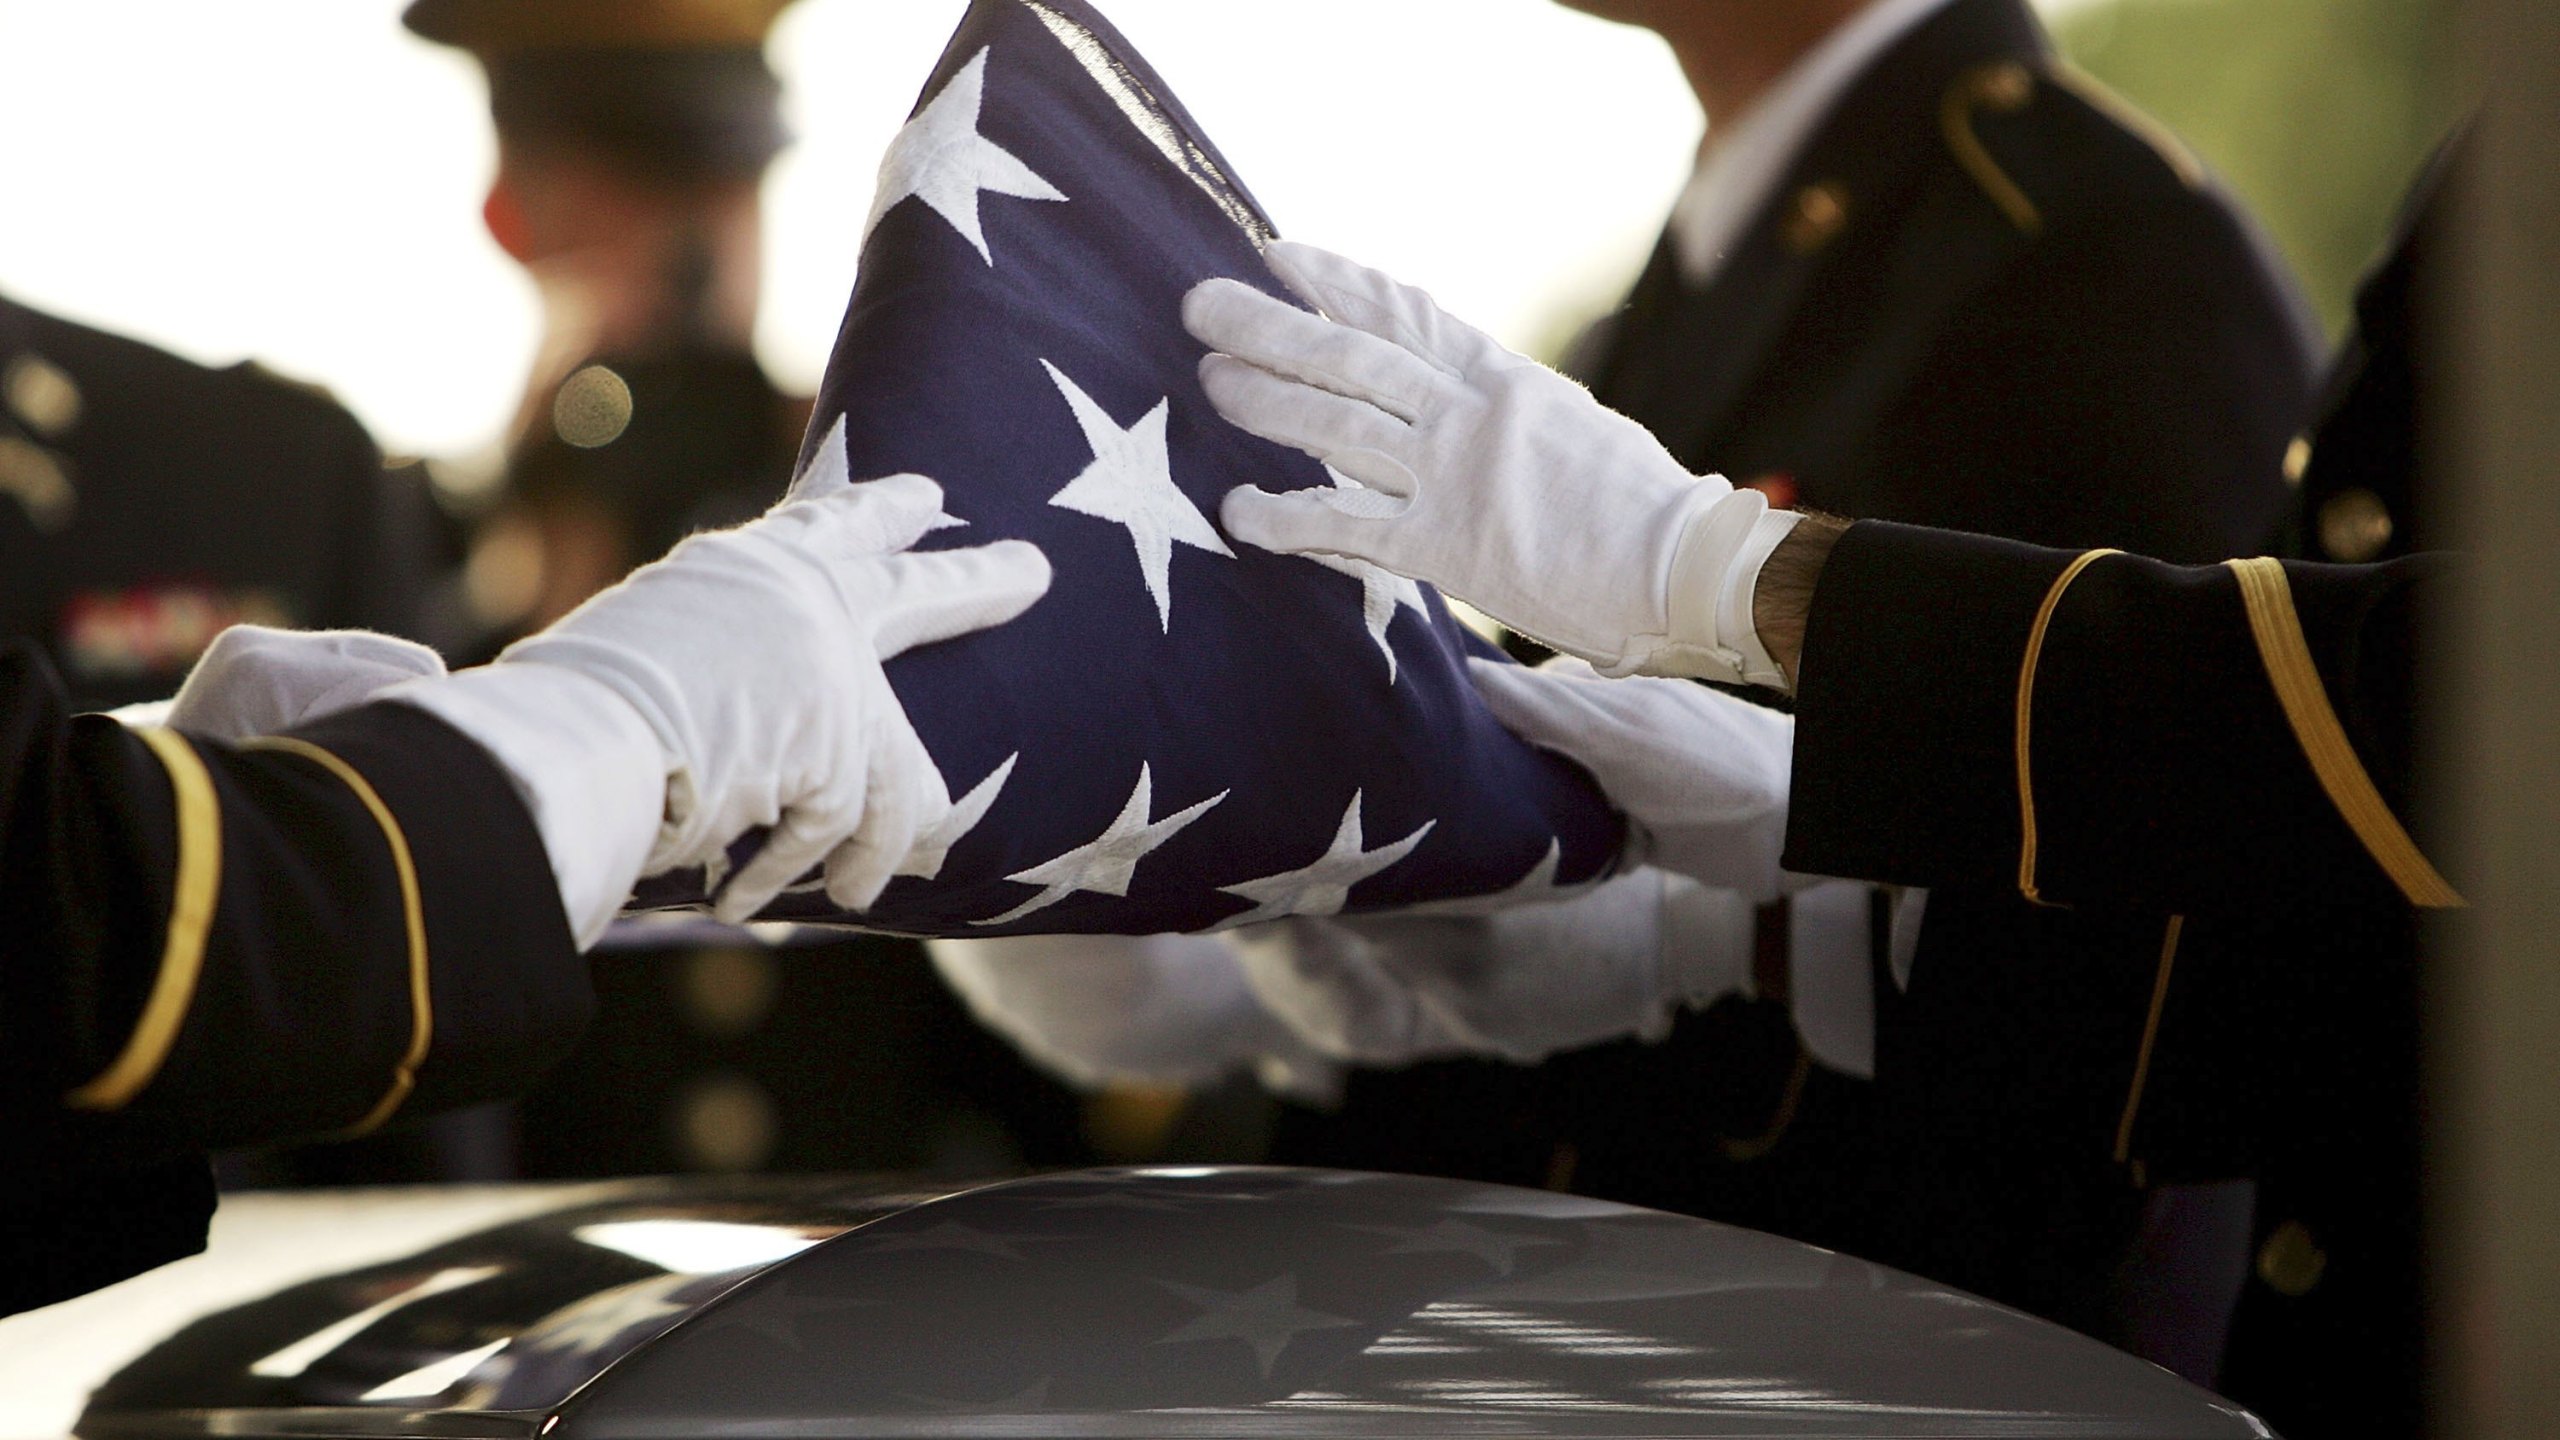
[(1187, 732)]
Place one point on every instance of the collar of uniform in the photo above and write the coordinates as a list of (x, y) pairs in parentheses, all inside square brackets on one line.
[(1877, 149), (1737, 171)]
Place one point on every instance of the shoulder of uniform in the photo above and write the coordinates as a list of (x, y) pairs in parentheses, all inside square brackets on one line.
[(101, 356), (2045, 141), (256, 377), (110, 365), (284, 409), (284, 405)]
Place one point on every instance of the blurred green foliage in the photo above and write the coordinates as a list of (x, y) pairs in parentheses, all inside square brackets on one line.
[(2317, 113)]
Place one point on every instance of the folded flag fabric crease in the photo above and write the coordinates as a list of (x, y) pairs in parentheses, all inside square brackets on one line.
[(1188, 732)]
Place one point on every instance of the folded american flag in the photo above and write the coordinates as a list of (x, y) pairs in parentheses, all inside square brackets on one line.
[(1187, 732)]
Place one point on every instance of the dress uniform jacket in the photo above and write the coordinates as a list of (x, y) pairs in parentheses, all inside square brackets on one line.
[(204, 945), (2091, 727), (146, 502), (2221, 757), (2217, 759), (1982, 296)]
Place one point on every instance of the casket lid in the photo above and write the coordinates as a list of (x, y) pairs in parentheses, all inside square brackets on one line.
[(1126, 1303)]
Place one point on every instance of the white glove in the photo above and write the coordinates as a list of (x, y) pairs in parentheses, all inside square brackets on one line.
[(1616, 961), (1487, 474), (1098, 1010), (745, 670), (256, 681), (1701, 775)]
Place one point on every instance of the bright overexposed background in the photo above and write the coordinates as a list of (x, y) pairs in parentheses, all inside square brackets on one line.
[(299, 180)]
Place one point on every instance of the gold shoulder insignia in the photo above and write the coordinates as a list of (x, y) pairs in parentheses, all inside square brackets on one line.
[(2003, 87)]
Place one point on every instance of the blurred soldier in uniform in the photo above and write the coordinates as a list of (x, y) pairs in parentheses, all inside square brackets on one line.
[(633, 138), (1927, 273), (146, 502)]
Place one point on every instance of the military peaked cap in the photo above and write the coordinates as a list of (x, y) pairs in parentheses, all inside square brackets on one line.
[(490, 28)]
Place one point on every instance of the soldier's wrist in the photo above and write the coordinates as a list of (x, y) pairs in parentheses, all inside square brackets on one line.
[(1782, 599)]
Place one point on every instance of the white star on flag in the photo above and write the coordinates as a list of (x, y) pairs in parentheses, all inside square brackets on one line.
[(1324, 887), (1382, 591), (830, 473), (1130, 483), (933, 848), (941, 159), (1538, 887), (933, 851), (1107, 864), (1266, 1317)]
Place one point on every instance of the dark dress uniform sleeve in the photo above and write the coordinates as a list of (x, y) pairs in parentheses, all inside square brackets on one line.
[(2092, 726), (204, 946)]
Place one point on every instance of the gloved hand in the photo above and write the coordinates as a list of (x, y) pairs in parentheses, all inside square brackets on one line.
[(256, 681), (1487, 474), (749, 662), (1701, 775), (1098, 1010), (1523, 983)]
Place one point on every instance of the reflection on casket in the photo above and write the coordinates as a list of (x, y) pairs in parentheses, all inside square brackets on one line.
[(1206, 1301)]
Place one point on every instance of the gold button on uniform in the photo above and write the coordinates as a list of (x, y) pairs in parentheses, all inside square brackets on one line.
[(42, 394), (2354, 526), (2297, 460), (31, 475), (2291, 1262), (1815, 217), (2005, 86)]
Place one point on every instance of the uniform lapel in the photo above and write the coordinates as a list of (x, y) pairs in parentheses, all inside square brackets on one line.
[(1685, 355), (1682, 361)]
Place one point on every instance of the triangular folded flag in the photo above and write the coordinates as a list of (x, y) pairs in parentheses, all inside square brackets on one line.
[(1187, 732)]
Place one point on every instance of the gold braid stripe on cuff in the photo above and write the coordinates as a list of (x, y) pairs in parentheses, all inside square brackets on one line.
[(2269, 598), (421, 999), (2026, 722), (195, 891)]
